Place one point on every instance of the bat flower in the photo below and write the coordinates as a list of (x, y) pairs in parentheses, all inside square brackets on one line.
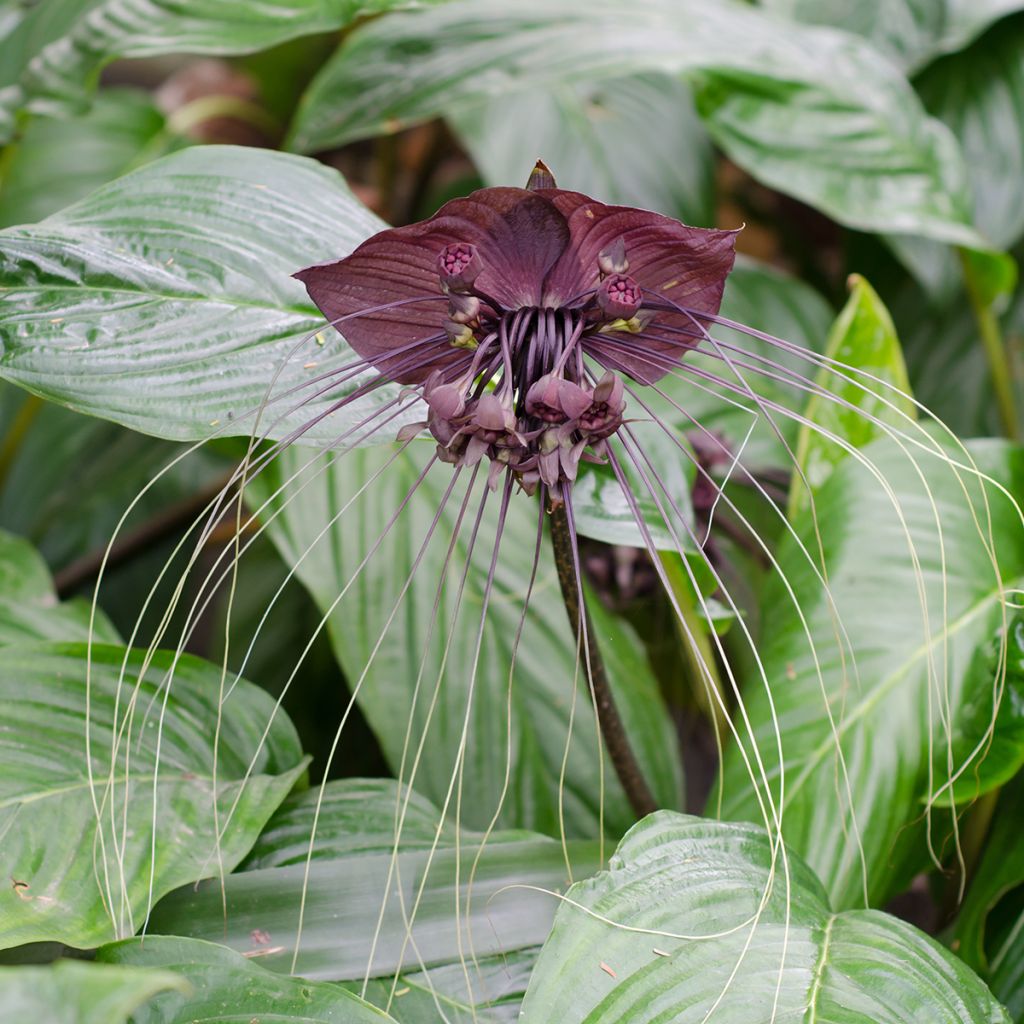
[(516, 312)]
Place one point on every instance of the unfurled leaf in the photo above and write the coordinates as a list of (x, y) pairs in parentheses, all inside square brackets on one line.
[(815, 113), (164, 301), (979, 93), (72, 992), (362, 897), (634, 141), (867, 392), (911, 32), (898, 590), (224, 987), (94, 834), (54, 55), (29, 608), (698, 919), (56, 162)]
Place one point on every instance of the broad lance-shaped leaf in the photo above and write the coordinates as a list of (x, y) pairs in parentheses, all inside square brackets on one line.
[(989, 931), (326, 542), (61, 45), (223, 987), (887, 724), (911, 32), (29, 609), (579, 127), (482, 895), (697, 919), (73, 992), (1002, 757), (164, 300), (871, 382), (813, 112), (81, 881), (979, 93)]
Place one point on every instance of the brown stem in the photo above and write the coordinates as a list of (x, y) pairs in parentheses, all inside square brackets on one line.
[(614, 734)]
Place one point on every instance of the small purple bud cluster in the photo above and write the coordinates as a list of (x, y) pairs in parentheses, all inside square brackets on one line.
[(526, 402)]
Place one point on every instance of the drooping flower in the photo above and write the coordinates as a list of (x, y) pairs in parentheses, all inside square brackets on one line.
[(551, 297)]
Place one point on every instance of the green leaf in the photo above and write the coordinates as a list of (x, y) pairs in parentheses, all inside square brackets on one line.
[(979, 93), (54, 163), (997, 876), (29, 609), (894, 696), (71, 992), (326, 543), (863, 338), (636, 141), (492, 995), (61, 45), (82, 883), (356, 880), (164, 300), (812, 112), (911, 32), (226, 988), (697, 919), (995, 705), (356, 816)]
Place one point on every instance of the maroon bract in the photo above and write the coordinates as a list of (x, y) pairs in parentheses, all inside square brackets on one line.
[(498, 305)]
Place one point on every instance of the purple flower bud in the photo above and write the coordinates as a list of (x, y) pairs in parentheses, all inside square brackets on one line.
[(613, 259), (460, 335), (492, 418), (459, 265), (619, 297), (555, 399), (604, 416), (445, 400), (463, 309), (609, 390)]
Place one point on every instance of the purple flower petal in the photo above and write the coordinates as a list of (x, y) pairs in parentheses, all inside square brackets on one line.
[(518, 236), (687, 265)]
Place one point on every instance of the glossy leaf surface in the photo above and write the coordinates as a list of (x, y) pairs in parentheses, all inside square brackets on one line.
[(812, 112), (633, 141), (72, 992), (164, 301), (154, 793), (58, 49), (224, 988), (698, 917), (872, 738), (361, 895)]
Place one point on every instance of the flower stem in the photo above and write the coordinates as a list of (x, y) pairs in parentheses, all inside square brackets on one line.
[(613, 732), (995, 350)]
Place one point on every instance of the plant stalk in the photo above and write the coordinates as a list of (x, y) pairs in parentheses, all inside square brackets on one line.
[(623, 758), (995, 351)]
